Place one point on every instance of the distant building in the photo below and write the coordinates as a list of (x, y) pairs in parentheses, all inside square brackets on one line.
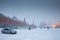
[(12, 23), (44, 25), (32, 26)]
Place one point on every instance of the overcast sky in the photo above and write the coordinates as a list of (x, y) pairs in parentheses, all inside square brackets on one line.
[(33, 10)]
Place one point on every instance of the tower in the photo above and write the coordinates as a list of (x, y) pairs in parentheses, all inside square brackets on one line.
[(24, 20)]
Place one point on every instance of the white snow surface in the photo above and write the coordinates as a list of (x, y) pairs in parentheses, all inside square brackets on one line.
[(34, 34)]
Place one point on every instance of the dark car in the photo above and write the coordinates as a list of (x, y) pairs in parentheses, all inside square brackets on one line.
[(8, 31)]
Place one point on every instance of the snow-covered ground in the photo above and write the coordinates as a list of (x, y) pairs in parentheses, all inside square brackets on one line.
[(34, 34)]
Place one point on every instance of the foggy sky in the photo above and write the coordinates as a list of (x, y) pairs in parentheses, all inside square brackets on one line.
[(33, 10)]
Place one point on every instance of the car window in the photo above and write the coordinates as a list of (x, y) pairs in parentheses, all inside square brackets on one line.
[(6, 29)]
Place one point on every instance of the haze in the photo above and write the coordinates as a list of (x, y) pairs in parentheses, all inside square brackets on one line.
[(33, 10)]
